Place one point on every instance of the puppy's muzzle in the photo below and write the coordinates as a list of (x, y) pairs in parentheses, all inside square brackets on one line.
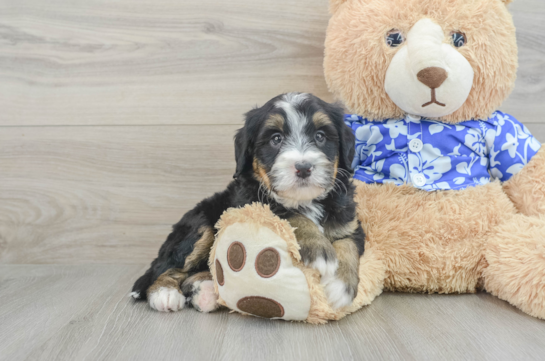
[(303, 170)]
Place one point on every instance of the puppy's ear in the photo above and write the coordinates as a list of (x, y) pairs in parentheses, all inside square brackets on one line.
[(241, 154), (347, 140), (347, 143), (244, 143)]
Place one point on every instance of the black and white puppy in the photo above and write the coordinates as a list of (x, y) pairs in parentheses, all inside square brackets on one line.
[(294, 153)]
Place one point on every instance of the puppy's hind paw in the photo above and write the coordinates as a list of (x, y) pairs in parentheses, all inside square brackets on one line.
[(339, 294), (166, 299), (204, 298)]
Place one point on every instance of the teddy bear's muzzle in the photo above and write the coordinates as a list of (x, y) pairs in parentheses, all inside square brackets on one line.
[(428, 77)]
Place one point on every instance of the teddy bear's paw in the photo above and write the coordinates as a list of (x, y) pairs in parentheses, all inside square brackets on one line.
[(339, 294), (256, 274), (166, 299), (204, 298)]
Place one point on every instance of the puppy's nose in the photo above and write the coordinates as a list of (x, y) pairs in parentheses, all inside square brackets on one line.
[(303, 170), (432, 76)]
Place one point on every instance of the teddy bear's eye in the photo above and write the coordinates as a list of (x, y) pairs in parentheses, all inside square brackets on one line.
[(394, 38), (458, 39)]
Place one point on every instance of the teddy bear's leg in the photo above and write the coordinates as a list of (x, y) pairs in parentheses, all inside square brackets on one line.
[(199, 291), (516, 264), (257, 268), (527, 188), (256, 273)]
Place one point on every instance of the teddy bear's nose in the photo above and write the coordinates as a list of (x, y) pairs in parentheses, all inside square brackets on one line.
[(433, 76)]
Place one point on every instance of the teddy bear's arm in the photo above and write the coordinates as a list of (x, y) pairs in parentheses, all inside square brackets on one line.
[(516, 158), (527, 188)]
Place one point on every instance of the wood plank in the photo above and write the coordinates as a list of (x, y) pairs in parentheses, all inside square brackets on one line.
[(187, 62), (526, 102), (537, 130), (104, 194), (77, 312), (177, 62), (107, 194)]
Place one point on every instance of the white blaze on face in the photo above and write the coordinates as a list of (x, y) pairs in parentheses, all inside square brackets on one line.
[(298, 148), (425, 47)]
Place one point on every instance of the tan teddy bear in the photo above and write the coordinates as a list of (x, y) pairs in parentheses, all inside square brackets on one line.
[(450, 191)]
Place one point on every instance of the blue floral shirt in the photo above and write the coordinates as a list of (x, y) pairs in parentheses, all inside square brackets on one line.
[(432, 155)]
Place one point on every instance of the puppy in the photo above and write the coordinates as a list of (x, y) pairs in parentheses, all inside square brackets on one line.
[(294, 153)]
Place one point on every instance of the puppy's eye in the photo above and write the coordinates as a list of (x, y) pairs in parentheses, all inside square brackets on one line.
[(276, 139), (459, 39), (394, 38), (320, 137)]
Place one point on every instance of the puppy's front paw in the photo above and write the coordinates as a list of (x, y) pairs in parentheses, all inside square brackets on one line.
[(339, 294), (320, 258), (204, 298), (166, 299)]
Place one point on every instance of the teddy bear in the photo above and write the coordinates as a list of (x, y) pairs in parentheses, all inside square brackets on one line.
[(450, 190)]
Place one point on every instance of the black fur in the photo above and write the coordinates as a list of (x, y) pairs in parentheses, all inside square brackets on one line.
[(251, 141)]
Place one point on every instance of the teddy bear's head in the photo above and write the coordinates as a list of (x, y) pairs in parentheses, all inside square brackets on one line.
[(452, 60)]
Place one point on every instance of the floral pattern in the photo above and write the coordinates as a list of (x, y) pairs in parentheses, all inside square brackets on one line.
[(444, 156)]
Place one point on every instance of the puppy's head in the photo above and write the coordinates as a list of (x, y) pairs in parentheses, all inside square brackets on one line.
[(296, 145)]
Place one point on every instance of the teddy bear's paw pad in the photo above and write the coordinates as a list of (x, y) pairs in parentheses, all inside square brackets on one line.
[(267, 262), (236, 256), (205, 299), (219, 273), (256, 274), (166, 299), (261, 306)]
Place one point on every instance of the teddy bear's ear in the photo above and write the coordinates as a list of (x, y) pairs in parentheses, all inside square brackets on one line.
[(334, 5)]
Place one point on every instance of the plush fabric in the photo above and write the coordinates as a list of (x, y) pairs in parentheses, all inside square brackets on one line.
[(294, 291), (357, 57), (426, 54), (294, 300), (515, 257), (431, 241), (445, 156), (527, 189), (483, 226)]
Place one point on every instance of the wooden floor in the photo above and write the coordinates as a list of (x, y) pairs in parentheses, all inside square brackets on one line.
[(116, 117), (82, 312)]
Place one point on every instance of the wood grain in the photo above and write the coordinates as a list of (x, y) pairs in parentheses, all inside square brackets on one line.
[(147, 62), (526, 102), (116, 117), (82, 312), (104, 194), (107, 194), (91, 62)]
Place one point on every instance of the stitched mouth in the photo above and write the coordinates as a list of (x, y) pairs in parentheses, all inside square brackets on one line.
[(433, 100)]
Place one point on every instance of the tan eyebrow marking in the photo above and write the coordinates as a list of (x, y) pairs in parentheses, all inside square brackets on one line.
[(275, 121), (320, 119)]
